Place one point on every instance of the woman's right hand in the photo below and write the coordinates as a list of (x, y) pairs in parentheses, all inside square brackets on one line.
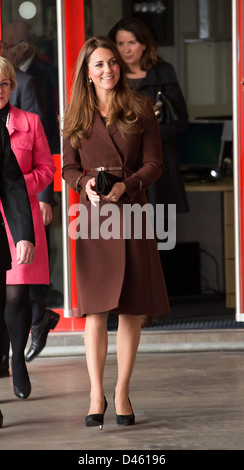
[(25, 252), (92, 195), (157, 108)]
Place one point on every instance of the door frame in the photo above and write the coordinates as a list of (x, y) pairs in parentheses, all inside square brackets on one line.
[(238, 151)]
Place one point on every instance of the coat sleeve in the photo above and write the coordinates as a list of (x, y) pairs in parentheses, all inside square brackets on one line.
[(28, 96), (171, 88), (152, 165), (14, 194), (43, 167), (72, 171)]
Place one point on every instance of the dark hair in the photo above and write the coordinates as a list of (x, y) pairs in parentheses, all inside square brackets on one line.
[(142, 34)]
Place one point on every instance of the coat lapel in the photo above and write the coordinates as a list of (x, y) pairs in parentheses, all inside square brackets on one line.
[(106, 133), (17, 121)]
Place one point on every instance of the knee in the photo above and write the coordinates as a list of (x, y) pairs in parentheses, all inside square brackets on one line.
[(97, 320), (16, 295)]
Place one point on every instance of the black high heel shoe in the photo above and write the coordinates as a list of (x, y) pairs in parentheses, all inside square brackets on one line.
[(21, 381), (125, 420), (23, 391), (96, 419)]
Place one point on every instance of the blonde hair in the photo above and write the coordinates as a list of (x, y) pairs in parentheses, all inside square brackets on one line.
[(126, 106), (7, 70)]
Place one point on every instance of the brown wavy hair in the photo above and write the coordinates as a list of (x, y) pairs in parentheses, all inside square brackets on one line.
[(127, 108), (143, 35)]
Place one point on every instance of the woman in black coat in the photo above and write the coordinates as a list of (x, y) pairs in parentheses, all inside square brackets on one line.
[(149, 74), (15, 202)]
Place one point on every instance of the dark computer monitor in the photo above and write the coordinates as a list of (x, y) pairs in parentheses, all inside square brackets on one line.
[(201, 146)]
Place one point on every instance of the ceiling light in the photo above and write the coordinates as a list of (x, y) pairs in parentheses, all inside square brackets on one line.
[(27, 10)]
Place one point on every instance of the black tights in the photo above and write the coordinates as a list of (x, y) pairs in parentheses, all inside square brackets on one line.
[(2, 306), (17, 316)]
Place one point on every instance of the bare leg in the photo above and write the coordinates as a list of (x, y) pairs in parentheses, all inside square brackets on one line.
[(96, 344), (128, 337)]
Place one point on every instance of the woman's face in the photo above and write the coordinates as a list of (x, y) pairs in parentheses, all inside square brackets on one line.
[(103, 69), (130, 49), (5, 90)]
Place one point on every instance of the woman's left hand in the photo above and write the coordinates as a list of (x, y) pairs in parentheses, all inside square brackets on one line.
[(47, 213), (116, 192)]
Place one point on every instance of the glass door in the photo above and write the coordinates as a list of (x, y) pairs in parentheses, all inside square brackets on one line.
[(54, 31)]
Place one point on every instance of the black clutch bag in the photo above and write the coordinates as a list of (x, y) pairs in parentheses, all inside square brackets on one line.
[(105, 182), (164, 109)]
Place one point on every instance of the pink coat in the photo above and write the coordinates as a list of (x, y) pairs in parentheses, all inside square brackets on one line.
[(30, 146)]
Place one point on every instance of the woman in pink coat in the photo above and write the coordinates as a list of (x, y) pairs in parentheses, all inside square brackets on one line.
[(29, 144)]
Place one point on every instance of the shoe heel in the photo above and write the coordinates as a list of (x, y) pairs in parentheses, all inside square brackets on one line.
[(125, 420), (96, 419), (54, 320)]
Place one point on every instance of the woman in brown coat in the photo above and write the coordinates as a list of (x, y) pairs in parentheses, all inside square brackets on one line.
[(107, 125)]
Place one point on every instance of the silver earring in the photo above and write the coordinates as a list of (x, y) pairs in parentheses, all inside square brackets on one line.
[(90, 80)]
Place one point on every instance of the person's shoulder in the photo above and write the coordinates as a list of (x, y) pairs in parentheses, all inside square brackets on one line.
[(163, 68), (22, 115), (26, 83), (23, 77), (161, 73)]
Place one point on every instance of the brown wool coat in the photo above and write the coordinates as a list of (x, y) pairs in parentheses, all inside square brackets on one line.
[(117, 274)]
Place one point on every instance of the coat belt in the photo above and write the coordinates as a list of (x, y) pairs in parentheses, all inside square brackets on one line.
[(105, 168)]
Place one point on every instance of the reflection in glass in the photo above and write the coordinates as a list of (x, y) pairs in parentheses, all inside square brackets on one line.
[(27, 10), (41, 63)]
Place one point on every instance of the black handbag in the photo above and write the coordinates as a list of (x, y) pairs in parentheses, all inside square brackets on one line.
[(105, 182), (164, 109)]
